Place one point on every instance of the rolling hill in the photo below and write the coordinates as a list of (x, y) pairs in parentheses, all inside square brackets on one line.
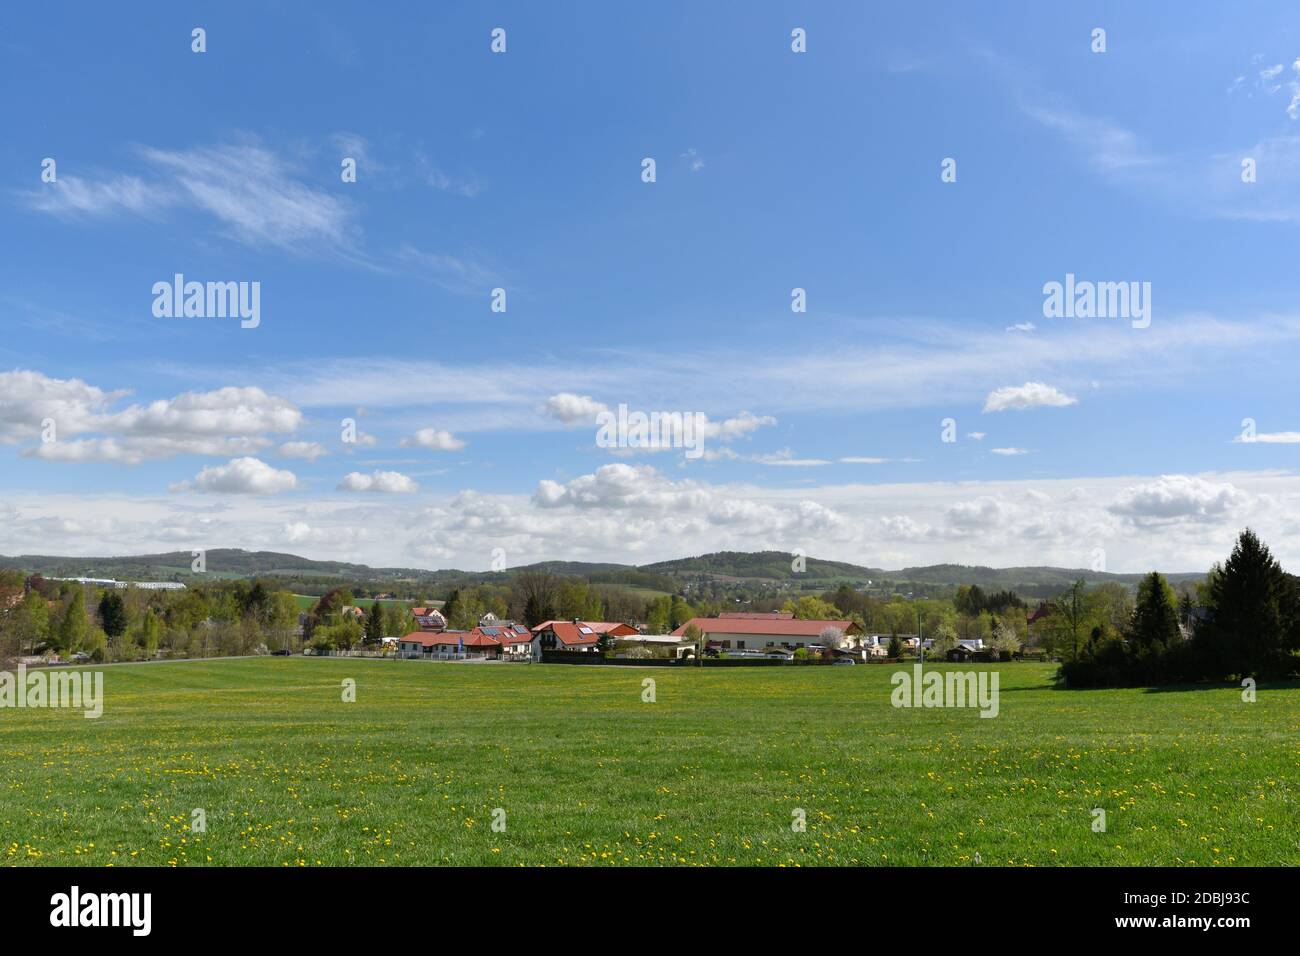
[(724, 568)]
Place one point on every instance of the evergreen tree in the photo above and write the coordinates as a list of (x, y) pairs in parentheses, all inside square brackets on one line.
[(375, 624), (1253, 621), (1152, 629), (1154, 625), (112, 614)]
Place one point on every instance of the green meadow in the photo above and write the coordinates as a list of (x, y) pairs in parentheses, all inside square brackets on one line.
[(582, 771)]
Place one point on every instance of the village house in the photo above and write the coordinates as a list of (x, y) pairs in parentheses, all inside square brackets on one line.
[(578, 635), (429, 618), (756, 631), (507, 641)]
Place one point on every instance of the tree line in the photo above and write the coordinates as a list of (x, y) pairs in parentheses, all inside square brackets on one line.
[(1244, 621)]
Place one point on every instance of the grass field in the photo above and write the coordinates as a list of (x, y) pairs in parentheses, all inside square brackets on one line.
[(710, 773), (307, 601)]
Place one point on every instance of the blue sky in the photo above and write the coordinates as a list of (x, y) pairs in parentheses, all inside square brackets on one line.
[(775, 170)]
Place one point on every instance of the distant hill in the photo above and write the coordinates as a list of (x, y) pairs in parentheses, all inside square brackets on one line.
[(1025, 581), (766, 565), (220, 562), (721, 568)]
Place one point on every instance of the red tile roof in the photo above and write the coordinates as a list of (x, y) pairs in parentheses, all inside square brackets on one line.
[(600, 627), (508, 635), (759, 615), (777, 627), (433, 638), (569, 634)]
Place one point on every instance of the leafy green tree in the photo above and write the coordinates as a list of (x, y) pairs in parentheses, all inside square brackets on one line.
[(696, 637), (75, 626), (810, 608), (282, 618), (150, 634), (659, 615), (32, 621), (96, 645), (1069, 614), (401, 621)]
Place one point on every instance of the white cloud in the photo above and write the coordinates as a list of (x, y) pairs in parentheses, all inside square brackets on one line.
[(308, 450), (980, 514), (223, 422), (738, 427), (433, 439), (859, 460), (976, 436), (223, 411), (917, 365), (1271, 438), (241, 476), (250, 191), (1008, 452), (1029, 395), (571, 409), (777, 460), (622, 513), (1178, 497), (903, 528), (27, 398), (461, 275), (389, 482), (72, 196)]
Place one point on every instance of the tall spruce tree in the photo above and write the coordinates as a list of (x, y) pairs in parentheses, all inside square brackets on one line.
[(112, 614), (1253, 614)]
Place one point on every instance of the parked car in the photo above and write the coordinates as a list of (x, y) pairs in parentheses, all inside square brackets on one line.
[(79, 658), (282, 652), (845, 660)]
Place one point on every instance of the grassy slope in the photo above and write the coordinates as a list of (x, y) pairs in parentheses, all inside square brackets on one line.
[(587, 773)]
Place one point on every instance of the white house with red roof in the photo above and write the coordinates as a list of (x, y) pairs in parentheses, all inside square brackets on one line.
[(578, 635), (429, 618), (754, 632), (508, 641)]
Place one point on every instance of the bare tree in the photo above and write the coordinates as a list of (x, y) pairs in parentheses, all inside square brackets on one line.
[(537, 592)]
